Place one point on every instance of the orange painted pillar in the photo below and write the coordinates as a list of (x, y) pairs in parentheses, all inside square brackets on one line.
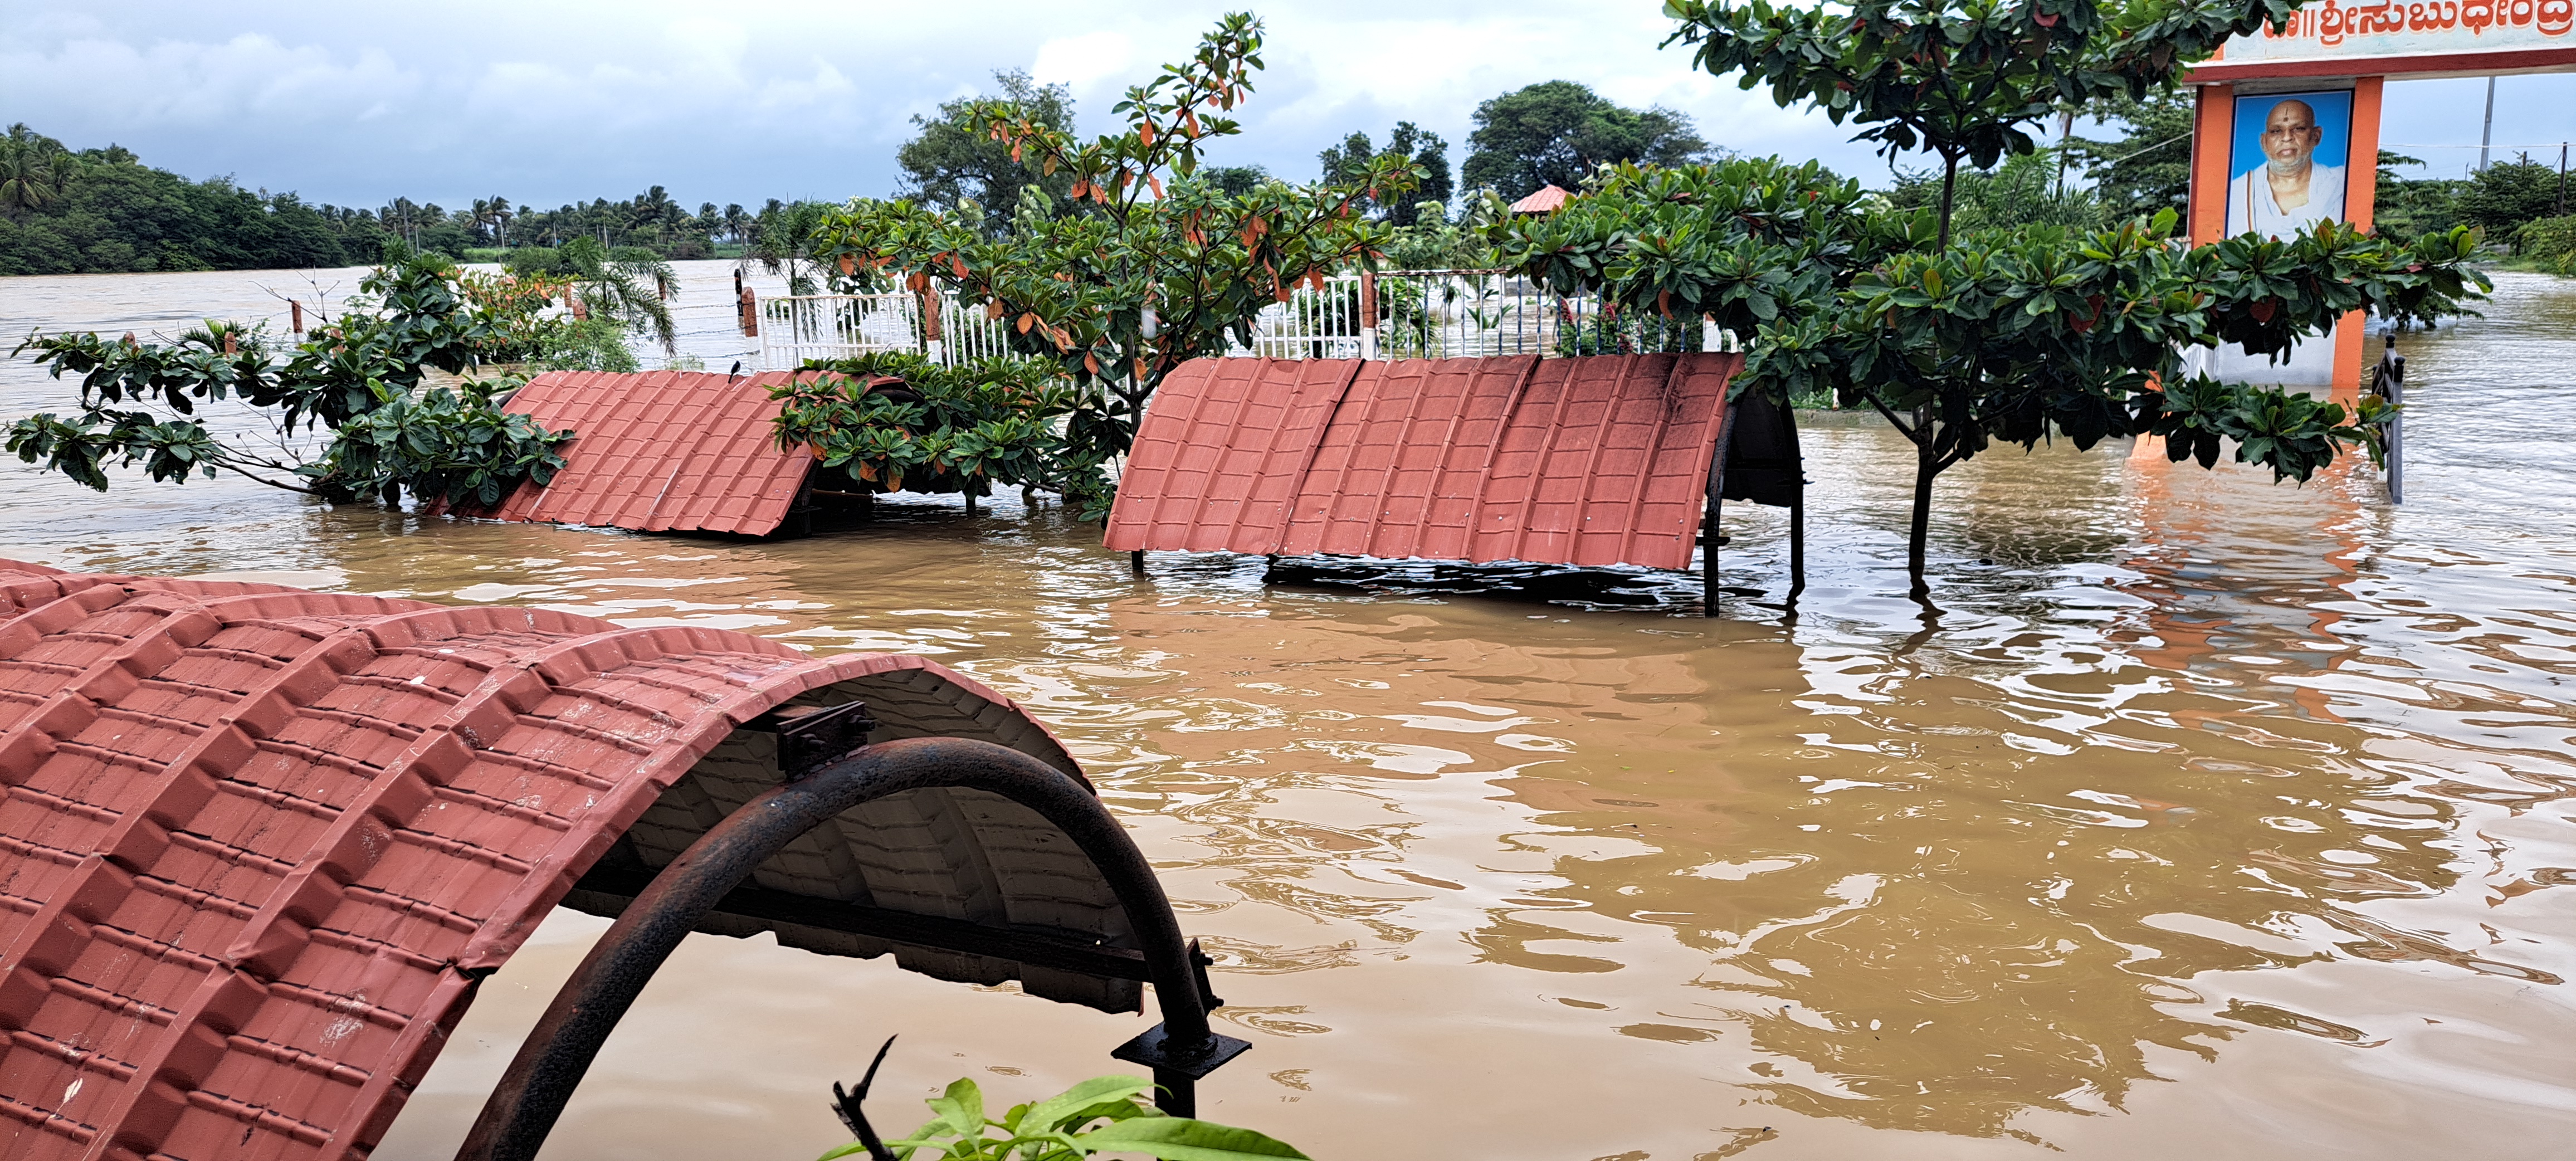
[(2213, 129), (2360, 205)]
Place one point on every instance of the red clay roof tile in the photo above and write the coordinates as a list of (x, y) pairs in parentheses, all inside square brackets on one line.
[(1589, 461), (660, 451), (257, 843)]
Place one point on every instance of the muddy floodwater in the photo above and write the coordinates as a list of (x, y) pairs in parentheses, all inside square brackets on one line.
[(2212, 818)]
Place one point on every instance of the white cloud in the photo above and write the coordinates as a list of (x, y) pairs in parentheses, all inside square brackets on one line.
[(1081, 62), (197, 85)]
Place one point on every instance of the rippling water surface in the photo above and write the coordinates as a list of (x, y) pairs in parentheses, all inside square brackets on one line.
[(2212, 818)]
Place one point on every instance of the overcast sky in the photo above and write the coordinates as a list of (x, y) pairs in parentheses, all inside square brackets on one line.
[(549, 102)]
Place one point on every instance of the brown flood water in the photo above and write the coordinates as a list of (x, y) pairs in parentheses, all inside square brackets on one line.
[(2214, 819)]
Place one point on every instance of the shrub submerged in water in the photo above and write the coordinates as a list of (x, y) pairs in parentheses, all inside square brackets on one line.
[(357, 377), (969, 428), (1100, 1115)]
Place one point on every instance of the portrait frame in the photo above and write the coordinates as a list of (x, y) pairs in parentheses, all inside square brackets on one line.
[(2332, 112)]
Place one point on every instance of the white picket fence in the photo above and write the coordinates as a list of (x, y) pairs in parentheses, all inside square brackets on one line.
[(794, 328), (1421, 314)]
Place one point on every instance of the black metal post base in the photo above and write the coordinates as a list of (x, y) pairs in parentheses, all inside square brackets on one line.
[(1178, 1067)]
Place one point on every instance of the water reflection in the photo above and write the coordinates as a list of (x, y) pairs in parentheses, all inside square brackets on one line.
[(2235, 808)]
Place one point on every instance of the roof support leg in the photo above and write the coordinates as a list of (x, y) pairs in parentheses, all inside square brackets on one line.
[(1136, 562), (523, 1109), (1708, 554), (1798, 543), (1716, 505)]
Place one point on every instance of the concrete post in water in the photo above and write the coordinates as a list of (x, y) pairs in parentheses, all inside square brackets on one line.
[(748, 305), (295, 313), (1368, 315)]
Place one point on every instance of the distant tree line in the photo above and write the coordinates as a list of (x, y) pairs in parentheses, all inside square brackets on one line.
[(65, 211)]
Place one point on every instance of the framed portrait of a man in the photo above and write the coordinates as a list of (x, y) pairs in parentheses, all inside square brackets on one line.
[(2287, 167), (2287, 163)]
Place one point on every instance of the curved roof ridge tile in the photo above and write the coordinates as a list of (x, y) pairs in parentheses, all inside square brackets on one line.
[(273, 852)]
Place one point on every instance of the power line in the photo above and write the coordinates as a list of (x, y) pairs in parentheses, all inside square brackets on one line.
[(2406, 145)]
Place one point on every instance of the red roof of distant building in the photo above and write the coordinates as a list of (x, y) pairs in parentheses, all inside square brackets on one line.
[(661, 451), (1545, 201), (1587, 461)]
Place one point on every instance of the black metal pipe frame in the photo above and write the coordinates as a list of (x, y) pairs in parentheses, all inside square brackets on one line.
[(523, 1109)]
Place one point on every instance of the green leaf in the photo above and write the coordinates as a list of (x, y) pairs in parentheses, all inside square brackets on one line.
[(1056, 1112), (957, 1112), (1184, 1139)]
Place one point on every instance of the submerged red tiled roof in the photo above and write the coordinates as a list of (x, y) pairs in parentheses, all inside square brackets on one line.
[(257, 844), (660, 451), (1588, 461)]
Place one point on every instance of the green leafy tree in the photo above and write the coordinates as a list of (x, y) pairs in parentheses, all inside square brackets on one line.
[(1101, 1115), (2014, 334), (969, 428), (629, 288), (2407, 207), (35, 170), (1960, 79), (357, 377), (1560, 133), (2148, 168), (947, 161), (781, 239), (1233, 180), (1139, 276), (2020, 192), (1421, 146), (2550, 243), (1437, 241), (98, 211), (2507, 194)]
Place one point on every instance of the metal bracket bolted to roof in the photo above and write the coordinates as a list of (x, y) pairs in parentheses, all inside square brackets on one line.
[(812, 737)]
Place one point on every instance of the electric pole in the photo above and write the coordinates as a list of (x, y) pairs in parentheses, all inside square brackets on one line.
[(2487, 134)]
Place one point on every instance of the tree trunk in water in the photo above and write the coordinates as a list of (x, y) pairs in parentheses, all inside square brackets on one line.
[(1949, 187), (1925, 469)]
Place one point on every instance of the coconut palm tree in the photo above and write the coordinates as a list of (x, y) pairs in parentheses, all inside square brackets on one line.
[(35, 170), (635, 293)]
